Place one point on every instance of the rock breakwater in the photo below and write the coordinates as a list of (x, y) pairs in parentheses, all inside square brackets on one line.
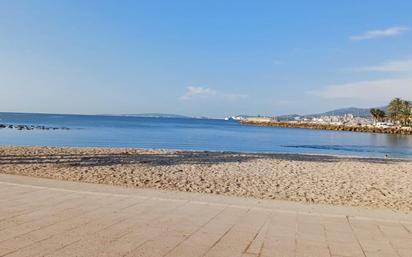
[(30, 127), (309, 125)]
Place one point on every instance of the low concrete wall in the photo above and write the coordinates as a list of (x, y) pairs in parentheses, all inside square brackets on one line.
[(258, 119)]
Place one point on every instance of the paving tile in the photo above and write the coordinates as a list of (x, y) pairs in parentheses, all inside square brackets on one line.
[(201, 241), (279, 247), (69, 220), (395, 231), (257, 244), (401, 243), (375, 245), (121, 239), (43, 221), (382, 253), (404, 252), (407, 226), (86, 226), (235, 242), (343, 249), (340, 237), (178, 227)]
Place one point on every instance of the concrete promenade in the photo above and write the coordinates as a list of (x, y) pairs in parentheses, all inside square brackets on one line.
[(41, 217)]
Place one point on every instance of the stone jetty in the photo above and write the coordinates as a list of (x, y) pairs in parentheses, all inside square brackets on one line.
[(310, 125)]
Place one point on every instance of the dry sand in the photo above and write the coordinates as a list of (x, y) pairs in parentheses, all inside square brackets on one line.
[(367, 182)]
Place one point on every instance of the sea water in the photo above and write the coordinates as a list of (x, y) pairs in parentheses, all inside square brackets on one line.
[(196, 134)]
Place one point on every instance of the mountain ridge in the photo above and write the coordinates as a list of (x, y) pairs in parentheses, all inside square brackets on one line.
[(355, 111)]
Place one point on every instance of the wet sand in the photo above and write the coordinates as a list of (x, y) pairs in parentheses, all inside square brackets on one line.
[(365, 182)]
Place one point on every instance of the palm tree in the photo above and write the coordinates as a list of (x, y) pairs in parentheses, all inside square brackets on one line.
[(380, 114), (377, 114), (405, 114), (373, 113), (395, 109)]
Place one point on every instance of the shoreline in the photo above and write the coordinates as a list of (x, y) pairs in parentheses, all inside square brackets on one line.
[(344, 156), (332, 127), (320, 179)]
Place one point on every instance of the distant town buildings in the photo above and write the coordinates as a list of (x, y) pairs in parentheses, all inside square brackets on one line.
[(396, 115), (252, 118), (347, 119)]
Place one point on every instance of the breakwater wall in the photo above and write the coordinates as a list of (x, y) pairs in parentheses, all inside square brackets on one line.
[(353, 128)]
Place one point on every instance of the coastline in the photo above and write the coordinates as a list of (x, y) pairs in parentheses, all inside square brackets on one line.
[(321, 179), (29, 127), (309, 125)]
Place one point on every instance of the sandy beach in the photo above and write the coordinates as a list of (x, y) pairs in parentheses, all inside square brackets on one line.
[(365, 182)]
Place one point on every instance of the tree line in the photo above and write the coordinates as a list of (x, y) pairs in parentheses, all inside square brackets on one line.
[(399, 112)]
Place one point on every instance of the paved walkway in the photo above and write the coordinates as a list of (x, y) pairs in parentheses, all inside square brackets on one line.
[(40, 217)]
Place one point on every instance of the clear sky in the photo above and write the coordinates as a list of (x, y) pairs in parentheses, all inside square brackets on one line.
[(209, 58)]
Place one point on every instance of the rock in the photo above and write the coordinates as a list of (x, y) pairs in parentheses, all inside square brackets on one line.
[(31, 127), (402, 131)]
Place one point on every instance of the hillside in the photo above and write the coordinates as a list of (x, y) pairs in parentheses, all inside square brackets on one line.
[(357, 112)]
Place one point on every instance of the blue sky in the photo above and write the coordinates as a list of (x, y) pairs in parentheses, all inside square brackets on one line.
[(209, 58)]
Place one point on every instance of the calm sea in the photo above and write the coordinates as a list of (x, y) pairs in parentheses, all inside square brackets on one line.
[(196, 134)]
